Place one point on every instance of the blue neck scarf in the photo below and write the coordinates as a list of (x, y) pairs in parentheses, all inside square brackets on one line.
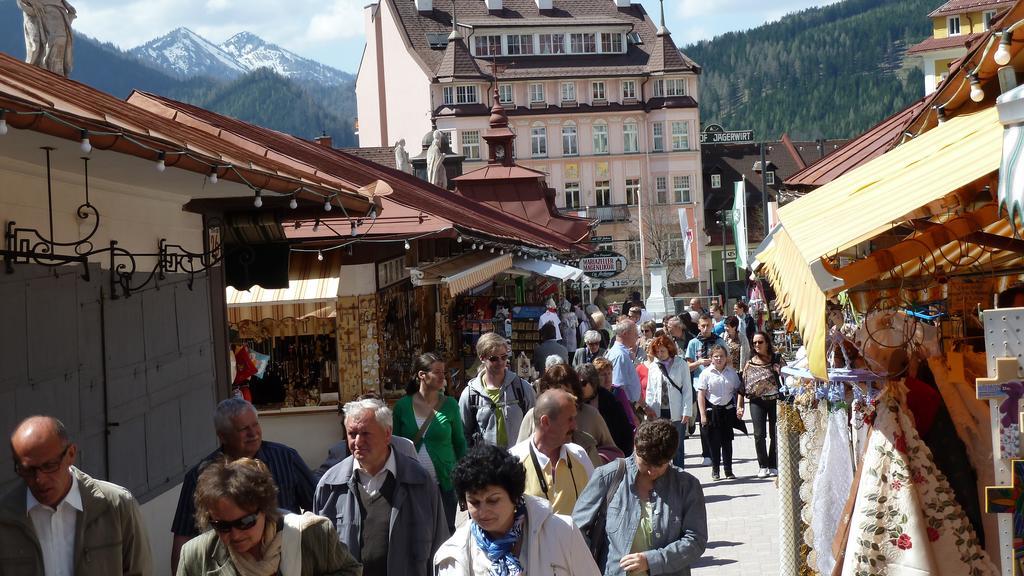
[(500, 550)]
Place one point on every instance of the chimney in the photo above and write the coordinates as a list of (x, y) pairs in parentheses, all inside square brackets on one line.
[(324, 140), (493, 4), (544, 4), (424, 5)]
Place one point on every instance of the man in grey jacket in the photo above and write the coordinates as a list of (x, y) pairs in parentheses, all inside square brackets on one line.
[(493, 404), (384, 505), (59, 520)]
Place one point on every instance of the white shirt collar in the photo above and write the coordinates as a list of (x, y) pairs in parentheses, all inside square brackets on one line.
[(389, 466), (73, 498), (542, 458)]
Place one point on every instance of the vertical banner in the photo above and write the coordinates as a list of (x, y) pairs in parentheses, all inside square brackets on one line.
[(687, 229), (773, 215), (739, 227)]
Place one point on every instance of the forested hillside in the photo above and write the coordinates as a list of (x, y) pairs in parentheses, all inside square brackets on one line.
[(828, 72)]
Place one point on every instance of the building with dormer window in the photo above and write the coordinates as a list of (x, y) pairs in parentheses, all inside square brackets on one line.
[(955, 25), (598, 95)]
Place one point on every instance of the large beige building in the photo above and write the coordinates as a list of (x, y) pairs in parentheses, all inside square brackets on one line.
[(598, 94)]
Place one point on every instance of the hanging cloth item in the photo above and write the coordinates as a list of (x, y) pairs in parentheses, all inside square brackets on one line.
[(831, 486), (905, 520)]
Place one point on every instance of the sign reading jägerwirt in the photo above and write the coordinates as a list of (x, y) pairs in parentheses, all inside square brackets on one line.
[(603, 264), (715, 134)]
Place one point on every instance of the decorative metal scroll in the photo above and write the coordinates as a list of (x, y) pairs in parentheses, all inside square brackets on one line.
[(32, 246)]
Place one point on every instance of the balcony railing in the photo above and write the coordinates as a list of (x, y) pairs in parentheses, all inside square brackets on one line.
[(614, 213)]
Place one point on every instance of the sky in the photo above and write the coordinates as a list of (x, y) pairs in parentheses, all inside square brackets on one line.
[(331, 31)]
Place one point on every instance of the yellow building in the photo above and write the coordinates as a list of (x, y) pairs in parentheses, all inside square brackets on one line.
[(955, 25)]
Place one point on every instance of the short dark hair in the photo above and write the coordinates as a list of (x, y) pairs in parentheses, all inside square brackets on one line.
[(548, 331), (588, 373), (424, 362), (742, 305), (768, 342), (656, 441), (246, 482), (561, 376), (488, 465), (732, 322)]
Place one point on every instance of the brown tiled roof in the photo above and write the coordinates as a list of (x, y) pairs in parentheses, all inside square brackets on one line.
[(457, 63), (408, 190), (382, 155), (666, 57), (931, 43), (416, 25), (953, 7), (873, 143)]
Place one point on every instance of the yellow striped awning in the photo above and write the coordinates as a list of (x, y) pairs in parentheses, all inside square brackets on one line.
[(298, 291), (865, 202), (462, 272)]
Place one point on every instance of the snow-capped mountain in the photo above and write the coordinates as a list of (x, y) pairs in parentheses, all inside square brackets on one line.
[(184, 53)]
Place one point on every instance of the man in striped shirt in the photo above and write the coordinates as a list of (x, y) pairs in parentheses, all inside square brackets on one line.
[(238, 428)]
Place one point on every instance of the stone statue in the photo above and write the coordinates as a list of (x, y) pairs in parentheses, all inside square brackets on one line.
[(402, 157), (435, 161), (48, 39)]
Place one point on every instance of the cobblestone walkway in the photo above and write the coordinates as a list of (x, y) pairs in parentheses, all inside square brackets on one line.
[(742, 515)]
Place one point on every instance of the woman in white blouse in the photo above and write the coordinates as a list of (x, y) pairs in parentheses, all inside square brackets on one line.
[(669, 391)]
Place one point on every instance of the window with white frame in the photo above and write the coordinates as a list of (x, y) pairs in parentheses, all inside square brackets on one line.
[(466, 94), (602, 193), (611, 42), (536, 92), (769, 177), (953, 25), (630, 137), (658, 136), (570, 146), (661, 190), (597, 91), (519, 43), (572, 194), (634, 250), (551, 43), (583, 43), (600, 130), (987, 16), (680, 189), (539, 141), (680, 135), (488, 45), (568, 91), (675, 87), (716, 181), (629, 89), (505, 93), (632, 191), (471, 144)]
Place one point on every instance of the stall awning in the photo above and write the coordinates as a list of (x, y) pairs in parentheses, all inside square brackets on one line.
[(864, 202), (462, 272), (549, 269), (867, 200), (297, 292)]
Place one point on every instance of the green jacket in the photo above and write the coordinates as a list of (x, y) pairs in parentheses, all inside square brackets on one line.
[(444, 439), (322, 554), (110, 535)]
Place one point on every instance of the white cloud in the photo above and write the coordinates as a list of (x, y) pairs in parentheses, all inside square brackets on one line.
[(343, 19)]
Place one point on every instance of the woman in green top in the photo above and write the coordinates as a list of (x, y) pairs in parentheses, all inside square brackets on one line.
[(431, 420)]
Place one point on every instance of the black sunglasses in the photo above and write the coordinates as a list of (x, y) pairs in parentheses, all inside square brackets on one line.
[(46, 467), (243, 523), (496, 358)]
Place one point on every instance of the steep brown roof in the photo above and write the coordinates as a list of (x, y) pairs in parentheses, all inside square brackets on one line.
[(953, 7), (416, 25), (931, 43), (382, 155), (666, 57), (457, 63)]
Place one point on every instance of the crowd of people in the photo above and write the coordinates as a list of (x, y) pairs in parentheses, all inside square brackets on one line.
[(580, 472)]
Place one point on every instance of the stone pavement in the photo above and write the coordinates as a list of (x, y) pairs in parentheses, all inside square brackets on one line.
[(743, 533)]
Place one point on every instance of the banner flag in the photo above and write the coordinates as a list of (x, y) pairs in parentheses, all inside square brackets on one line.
[(739, 226), (687, 229)]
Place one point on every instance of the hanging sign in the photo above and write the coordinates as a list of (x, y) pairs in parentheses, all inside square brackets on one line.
[(715, 134), (603, 264)]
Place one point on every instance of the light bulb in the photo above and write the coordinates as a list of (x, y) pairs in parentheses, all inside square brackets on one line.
[(258, 202), (1003, 55), (977, 94), (213, 176), (86, 145), (407, 245), (492, 249), (293, 203), (459, 239), (474, 245), (327, 205), (3, 126), (319, 255), (355, 229), (160, 164)]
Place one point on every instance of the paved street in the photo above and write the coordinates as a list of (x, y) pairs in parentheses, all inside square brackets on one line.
[(742, 515)]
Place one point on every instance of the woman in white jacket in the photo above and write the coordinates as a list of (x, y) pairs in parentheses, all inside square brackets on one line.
[(669, 375), (508, 533)]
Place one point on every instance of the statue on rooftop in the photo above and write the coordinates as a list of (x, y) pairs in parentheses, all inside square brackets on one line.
[(402, 157), (436, 174), (48, 39)]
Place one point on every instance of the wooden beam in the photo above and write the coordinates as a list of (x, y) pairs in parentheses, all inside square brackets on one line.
[(881, 261)]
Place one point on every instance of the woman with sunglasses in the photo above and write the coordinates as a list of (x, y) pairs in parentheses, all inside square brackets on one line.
[(250, 536), (493, 404), (761, 382)]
